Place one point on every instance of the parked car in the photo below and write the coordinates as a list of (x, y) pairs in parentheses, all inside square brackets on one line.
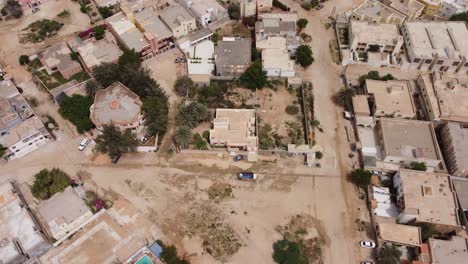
[(35, 10), (116, 158), (247, 176), (239, 158), (367, 262), (319, 6), (367, 244), (179, 60), (83, 144), (143, 139)]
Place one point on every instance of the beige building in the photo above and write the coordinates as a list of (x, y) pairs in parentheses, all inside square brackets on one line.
[(375, 12), (93, 54), (431, 7), (235, 129), (178, 20), (436, 45), (57, 59), (404, 141), (453, 251), (391, 98), (116, 105), (412, 9), (444, 97), (454, 144), (64, 213), (248, 8), (425, 197), (374, 44), (404, 235)]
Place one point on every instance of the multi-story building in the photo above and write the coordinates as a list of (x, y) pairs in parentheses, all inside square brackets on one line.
[(431, 7), (235, 129), (64, 212), (412, 9), (424, 197), (94, 53), (249, 8), (57, 58), (375, 44), (453, 251), (206, 11), (178, 20), (436, 45), (232, 56), (375, 12), (116, 105), (402, 142), (391, 98), (453, 7), (273, 27), (444, 97), (157, 33), (454, 144), (21, 131), (278, 63)]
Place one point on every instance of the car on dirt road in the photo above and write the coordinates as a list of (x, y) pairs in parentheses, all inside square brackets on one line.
[(83, 144), (247, 176), (367, 244), (239, 158), (367, 262)]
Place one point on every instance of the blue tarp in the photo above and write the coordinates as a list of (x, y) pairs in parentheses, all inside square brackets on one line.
[(156, 249)]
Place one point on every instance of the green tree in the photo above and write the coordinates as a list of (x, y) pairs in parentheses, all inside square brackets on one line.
[(292, 109), (361, 178), (155, 110), (254, 77), (23, 60), (264, 139), (288, 252), (234, 11), (47, 183), (2, 150), (74, 55), (169, 254), (460, 17), (199, 142), (374, 75), (113, 142), (99, 32), (427, 231), (91, 88), (130, 58), (13, 8), (302, 23), (183, 136), (419, 166), (389, 254), (206, 135), (215, 38), (76, 110), (256, 55), (304, 56), (106, 74), (193, 114), (106, 11), (183, 85), (344, 97)]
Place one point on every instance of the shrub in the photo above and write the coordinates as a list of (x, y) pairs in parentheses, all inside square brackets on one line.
[(199, 142), (76, 110), (48, 183), (64, 13), (304, 56), (288, 252), (278, 4), (419, 166), (183, 85), (99, 32), (319, 155), (302, 23), (234, 11), (361, 178), (206, 135), (254, 77), (292, 109), (23, 60), (169, 254)]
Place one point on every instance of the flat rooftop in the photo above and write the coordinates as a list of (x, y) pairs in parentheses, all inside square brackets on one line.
[(115, 105), (17, 224), (392, 96), (203, 6), (104, 51), (271, 43), (361, 105), (407, 7), (400, 234), (453, 251), (376, 9), (174, 15), (459, 135), (461, 188), (233, 51), (447, 95), (274, 26), (235, 126), (131, 36), (430, 196), (384, 34), (277, 59), (57, 56), (447, 39), (151, 23), (23, 130), (411, 139)]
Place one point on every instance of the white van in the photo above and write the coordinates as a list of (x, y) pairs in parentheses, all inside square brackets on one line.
[(83, 144)]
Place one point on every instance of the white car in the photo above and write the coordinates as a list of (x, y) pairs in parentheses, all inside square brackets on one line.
[(83, 144), (367, 262), (367, 244)]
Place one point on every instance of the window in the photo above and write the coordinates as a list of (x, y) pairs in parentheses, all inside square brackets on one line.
[(417, 60), (456, 63), (440, 62), (428, 61)]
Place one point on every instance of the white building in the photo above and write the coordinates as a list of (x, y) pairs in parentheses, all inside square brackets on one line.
[(277, 63), (436, 45), (249, 8), (64, 212), (453, 7), (206, 11)]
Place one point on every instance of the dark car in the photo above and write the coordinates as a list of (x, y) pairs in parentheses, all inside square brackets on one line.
[(239, 158), (116, 158)]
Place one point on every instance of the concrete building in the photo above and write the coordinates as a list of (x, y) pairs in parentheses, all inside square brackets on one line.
[(412, 9), (436, 45), (274, 27), (232, 56), (404, 235), (391, 99), (431, 7), (57, 59), (201, 61), (21, 131), (453, 251), (107, 3), (64, 212), (461, 189), (454, 144), (185, 43), (375, 12), (154, 30), (206, 12), (21, 236), (178, 20), (424, 197), (444, 97), (453, 7), (116, 105), (290, 16), (404, 141), (93, 54), (248, 8), (277, 63), (235, 129), (374, 44)]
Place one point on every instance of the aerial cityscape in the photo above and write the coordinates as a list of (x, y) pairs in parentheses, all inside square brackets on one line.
[(233, 131)]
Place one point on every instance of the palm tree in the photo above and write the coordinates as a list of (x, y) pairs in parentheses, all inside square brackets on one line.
[(183, 136), (344, 96)]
